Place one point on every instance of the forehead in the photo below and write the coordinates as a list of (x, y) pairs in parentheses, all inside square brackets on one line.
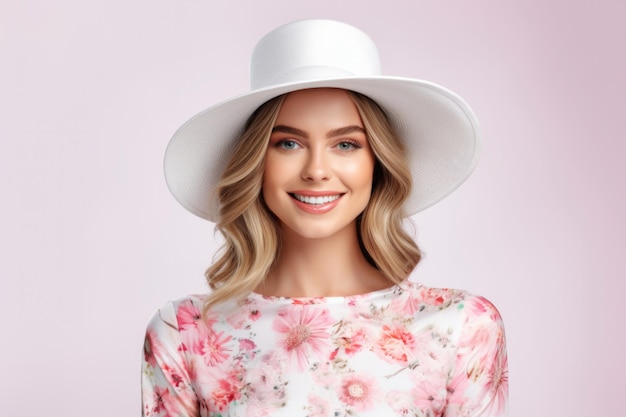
[(326, 106)]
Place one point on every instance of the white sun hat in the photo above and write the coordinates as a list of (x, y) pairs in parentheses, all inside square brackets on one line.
[(439, 129)]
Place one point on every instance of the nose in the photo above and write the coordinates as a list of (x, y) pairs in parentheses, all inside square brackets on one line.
[(316, 166)]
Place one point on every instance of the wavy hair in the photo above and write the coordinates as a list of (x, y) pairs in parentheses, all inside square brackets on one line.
[(251, 231), (383, 239)]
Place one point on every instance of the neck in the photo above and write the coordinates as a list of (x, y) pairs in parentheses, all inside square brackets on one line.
[(330, 266)]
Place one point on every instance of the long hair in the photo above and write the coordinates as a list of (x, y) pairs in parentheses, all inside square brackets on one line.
[(251, 232), (383, 239)]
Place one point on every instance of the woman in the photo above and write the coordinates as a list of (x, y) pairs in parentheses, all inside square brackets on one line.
[(311, 312)]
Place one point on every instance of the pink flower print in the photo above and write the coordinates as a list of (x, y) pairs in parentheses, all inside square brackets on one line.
[(359, 392), (163, 403), (227, 392), (247, 312), (304, 332), (246, 349), (397, 344), (172, 376), (480, 305), (318, 407), (214, 349), (405, 304), (497, 384), (253, 308), (482, 377), (254, 314), (155, 406), (151, 348), (352, 341), (308, 301), (265, 388), (246, 345), (189, 316), (400, 402), (430, 395), (434, 296), (176, 379)]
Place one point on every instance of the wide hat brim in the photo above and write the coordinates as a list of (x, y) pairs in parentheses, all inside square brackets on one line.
[(437, 126)]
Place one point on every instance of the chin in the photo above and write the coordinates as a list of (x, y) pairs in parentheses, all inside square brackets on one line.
[(325, 231)]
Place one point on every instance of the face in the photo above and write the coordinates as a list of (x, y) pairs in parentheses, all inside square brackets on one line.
[(319, 165)]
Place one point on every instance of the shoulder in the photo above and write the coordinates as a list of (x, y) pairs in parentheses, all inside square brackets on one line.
[(477, 306), (175, 314), (427, 299), (437, 297), (466, 308)]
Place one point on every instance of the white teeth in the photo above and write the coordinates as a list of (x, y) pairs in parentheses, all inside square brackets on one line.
[(316, 200)]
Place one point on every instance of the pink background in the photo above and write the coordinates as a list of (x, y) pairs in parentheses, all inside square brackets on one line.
[(91, 243)]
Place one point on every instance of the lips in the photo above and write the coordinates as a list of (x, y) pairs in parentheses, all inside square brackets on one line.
[(316, 202)]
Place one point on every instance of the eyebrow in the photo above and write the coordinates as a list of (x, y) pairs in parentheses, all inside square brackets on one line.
[(345, 130), (336, 132), (290, 130)]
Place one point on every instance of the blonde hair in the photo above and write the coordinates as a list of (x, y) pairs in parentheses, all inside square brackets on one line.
[(252, 239), (385, 242)]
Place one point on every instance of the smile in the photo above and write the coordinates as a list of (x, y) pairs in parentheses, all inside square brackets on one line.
[(316, 200)]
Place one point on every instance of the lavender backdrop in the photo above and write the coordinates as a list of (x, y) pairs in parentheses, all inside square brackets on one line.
[(91, 243)]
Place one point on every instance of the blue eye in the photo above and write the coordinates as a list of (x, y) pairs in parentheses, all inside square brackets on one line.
[(346, 146), (288, 144)]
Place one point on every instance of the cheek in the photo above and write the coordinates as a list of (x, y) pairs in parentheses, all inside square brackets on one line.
[(268, 179), (360, 173), (275, 174)]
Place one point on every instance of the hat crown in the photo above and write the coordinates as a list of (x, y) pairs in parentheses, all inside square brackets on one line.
[(310, 50)]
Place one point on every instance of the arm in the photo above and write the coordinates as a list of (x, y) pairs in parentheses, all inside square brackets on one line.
[(479, 384), (165, 379)]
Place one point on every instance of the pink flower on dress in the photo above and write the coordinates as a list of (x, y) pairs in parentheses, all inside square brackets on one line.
[(155, 405), (307, 301), (226, 393), (193, 329), (430, 395), (265, 387), (151, 348), (497, 383), (318, 407), (352, 341), (397, 344), (400, 402), (248, 312), (304, 332), (482, 374), (405, 304), (188, 315), (435, 296), (480, 305), (359, 392), (247, 345), (163, 403), (214, 349)]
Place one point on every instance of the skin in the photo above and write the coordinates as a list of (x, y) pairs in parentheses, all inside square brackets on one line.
[(319, 149)]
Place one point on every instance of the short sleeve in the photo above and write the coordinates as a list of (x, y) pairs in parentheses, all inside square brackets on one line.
[(479, 384), (165, 381)]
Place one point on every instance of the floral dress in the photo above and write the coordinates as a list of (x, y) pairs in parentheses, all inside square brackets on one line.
[(408, 350)]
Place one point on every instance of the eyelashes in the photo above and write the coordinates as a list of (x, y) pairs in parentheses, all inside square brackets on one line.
[(348, 145), (344, 145)]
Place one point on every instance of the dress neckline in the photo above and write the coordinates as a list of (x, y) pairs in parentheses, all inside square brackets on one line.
[(345, 299)]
